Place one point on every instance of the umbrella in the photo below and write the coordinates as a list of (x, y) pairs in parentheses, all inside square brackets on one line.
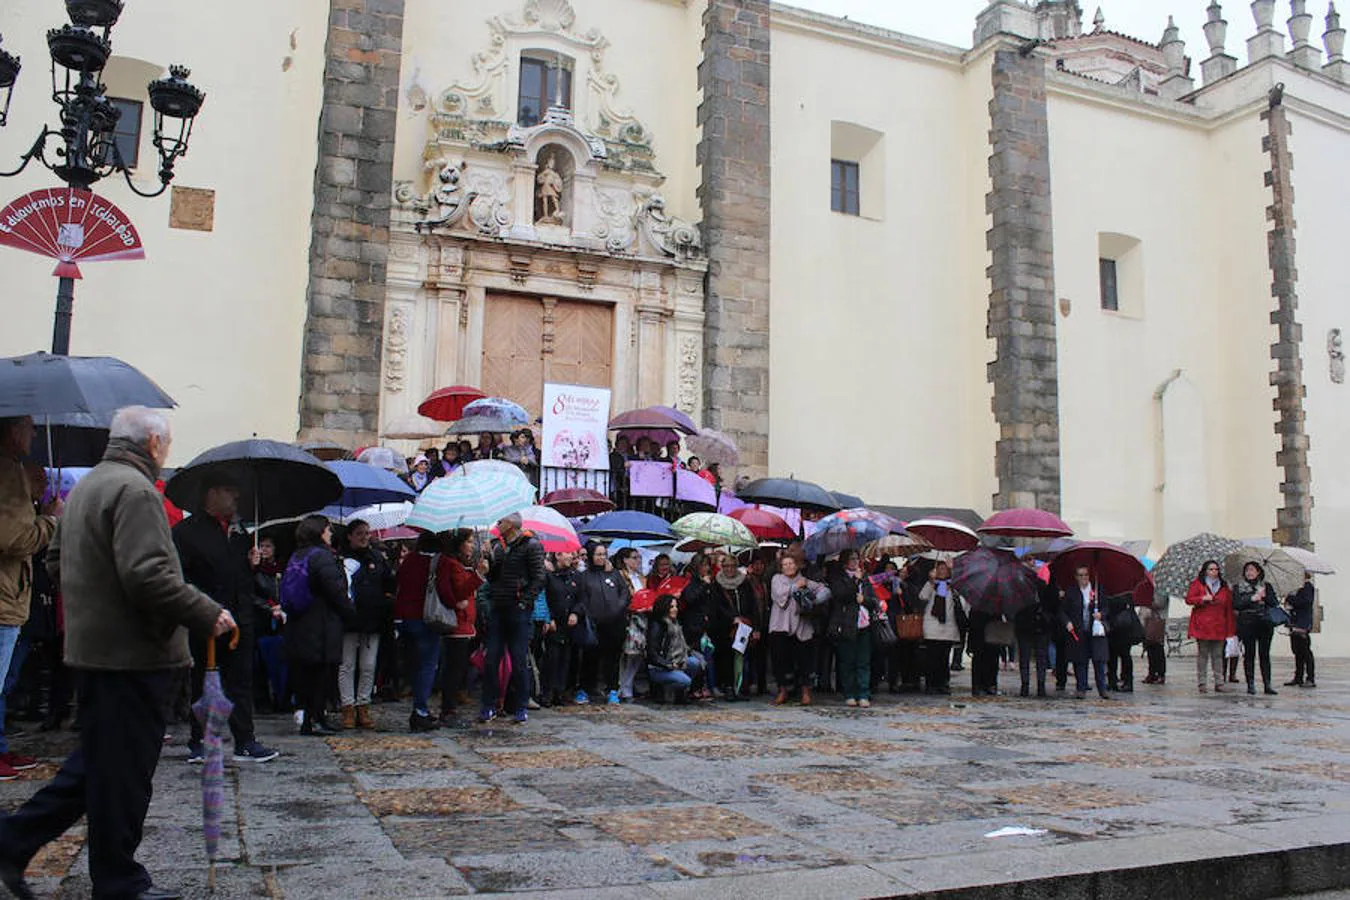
[(576, 502), (383, 458), (896, 545), (653, 417), (447, 404), (1283, 571), (1178, 566), (847, 501), (379, 516), (498, 408), (462, 501), (500, 466), (487, 423), (71, 439), (848, 529), (765, 525), (399, 533), (275, 480), (1115, 570), (551, 528), (1310, 561), (364, 485), (994, 582), (627, 523), (413, 428), (213, 711), (714, 529), (661, 437), (41, 384), (945, 534), (789, 492), (714, 447), (328, 451), (63, 480), (1029, 523)]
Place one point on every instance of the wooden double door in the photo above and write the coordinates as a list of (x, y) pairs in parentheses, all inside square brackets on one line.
[(530, 340)]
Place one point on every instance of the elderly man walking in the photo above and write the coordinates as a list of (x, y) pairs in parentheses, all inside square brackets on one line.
[(515, 579), (128, 612), (22, 533)]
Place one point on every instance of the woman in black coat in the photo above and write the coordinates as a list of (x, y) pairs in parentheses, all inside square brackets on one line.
[(314, 634), (605, 596), (372, 592), (1253, 599)]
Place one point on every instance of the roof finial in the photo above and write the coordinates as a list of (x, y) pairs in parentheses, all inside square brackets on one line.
[(1216, 29), (1334, 40), (1099, 20)]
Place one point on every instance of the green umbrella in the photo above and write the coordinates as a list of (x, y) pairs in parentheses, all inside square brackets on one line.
[(715, 529)]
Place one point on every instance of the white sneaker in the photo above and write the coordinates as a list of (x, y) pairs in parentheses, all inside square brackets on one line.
[(865, 704), (850, 702)]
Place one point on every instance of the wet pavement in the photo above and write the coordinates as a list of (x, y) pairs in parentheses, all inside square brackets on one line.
[(657, 801)]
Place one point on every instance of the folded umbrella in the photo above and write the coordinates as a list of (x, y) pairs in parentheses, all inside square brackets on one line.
[(41, 384), (447, 404), (789, 492), (765, 525), (1180, 563), (275, 480), (1115, 570), (994, 582), (577, 502), (714, 530), (946, 535), (213, 711), (364, 485), (627, 523), (1026, 523), (460, 500)]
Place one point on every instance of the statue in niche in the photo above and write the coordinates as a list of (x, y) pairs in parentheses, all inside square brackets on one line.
[(1336, 351), (550, 193)]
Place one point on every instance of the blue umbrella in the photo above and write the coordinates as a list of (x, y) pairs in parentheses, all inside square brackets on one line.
[(628, 523), (364, 485)]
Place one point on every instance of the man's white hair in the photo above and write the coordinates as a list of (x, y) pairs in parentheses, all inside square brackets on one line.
[(138, 423), (515, 519)]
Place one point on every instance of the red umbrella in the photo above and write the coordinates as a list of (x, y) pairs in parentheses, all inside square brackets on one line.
[(944, 534), (1115, 570), (1144, 593), (577, 502), (650, 417), (764, 525), (1028, 523), (447, 404)]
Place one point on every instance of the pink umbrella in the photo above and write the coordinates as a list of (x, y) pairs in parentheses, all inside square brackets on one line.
[(944, 534), (576, 502), (652, 417), (1028, 523), (1115, 570)]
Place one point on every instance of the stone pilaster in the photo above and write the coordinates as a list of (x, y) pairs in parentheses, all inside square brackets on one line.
[(734, 155), (349, 246), (1022, 287), (1294, 521)]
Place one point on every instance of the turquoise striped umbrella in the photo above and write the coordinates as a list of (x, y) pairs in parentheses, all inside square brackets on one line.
[(469, 501)]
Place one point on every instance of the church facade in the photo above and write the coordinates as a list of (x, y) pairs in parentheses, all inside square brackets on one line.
[(1062, 267)]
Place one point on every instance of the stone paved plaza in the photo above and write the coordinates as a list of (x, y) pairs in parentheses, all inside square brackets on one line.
[(745, 800)]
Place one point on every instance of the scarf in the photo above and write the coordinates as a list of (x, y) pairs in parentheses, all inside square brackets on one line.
[(939, 605), (1213, 584)]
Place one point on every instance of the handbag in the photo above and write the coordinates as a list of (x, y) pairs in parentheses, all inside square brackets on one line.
[(808, 601), (436, 615), (1277, 616), (1155, 630), (883, 635), (583, 633), (909, 627), (999, 633)]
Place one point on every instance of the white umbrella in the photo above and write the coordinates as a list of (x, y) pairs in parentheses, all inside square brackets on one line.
[(381, 516), (384, 458), (1310, 561), (714, 447), (413, 428)]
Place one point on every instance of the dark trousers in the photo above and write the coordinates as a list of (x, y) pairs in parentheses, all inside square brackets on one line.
[(454, 669), (1157, 660), (236, 676), (557, 656), (904, 664), (509, 631), (984, 667), (756, 668), (1305, 671), (1256, 644), (824, 670), (1063, 651), (1032, 648), (793, 661), (1089, 652), (855, 666), (600, 664), (1120, 667), (108, 779), (272, 659), (937, 659), (311, 689)]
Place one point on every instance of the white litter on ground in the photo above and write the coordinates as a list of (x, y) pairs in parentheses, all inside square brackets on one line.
[(1016, 831)]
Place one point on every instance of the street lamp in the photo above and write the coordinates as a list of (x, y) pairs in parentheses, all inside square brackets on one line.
[(86, 148)]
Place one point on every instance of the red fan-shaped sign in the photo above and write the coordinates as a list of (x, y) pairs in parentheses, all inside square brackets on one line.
[(70, 226)]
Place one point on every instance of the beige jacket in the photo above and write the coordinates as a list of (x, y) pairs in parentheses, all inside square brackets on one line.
[(22, 533)]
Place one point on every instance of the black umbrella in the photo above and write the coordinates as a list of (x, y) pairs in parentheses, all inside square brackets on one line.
[(73, 439), (847, 501), (275, 480), (41, 384), (789, 492)]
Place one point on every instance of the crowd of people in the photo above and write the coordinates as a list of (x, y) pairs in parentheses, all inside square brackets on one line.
[(433, 463)]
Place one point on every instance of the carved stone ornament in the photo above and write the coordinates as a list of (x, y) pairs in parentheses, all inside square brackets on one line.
[(670, 235), (490, 210), (1336, 352), (396, 350), (687, 381), (616, 219), (446, 202)]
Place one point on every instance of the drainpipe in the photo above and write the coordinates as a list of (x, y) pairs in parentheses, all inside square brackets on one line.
[(1160, 457)]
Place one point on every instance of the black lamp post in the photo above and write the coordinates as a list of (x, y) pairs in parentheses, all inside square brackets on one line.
[(86, 150)]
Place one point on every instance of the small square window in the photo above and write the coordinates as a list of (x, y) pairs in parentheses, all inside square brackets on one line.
[(844, 194), (127, 134), (1110, 284), (543, 83)]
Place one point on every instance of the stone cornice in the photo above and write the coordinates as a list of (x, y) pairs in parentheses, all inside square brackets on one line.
[(871, 37)]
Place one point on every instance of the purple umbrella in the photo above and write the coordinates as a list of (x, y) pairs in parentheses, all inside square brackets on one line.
[(994, 581), (213, 710)]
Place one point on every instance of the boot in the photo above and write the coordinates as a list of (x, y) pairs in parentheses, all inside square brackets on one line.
[(781, 697), (462, 699), (348, 718), (1040, 689), (806, 695), (364, 718), (1026, 690), (1270, 691)]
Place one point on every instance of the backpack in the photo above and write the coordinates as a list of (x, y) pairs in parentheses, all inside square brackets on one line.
[(296, 597)]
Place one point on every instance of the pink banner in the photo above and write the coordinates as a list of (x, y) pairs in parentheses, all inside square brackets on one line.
[(688, 486), (650, 479)]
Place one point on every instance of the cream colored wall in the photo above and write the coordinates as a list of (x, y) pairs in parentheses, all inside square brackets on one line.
[(658, 78), (876, 386), (216, 318)]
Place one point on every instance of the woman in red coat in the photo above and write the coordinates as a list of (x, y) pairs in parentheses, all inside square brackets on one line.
[(1212, 621), (460, 567)]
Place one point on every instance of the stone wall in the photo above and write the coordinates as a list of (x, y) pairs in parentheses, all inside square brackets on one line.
[(734, 155), (1022, 287), (1293, 527), (340, 384)]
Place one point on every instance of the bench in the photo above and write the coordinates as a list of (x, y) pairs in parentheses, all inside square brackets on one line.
[(1177, 637)]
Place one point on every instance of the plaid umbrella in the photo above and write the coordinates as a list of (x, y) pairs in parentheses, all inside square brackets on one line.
[(213, 710), (714, 529), (460, 500), (994, 582), (1177, 568)]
